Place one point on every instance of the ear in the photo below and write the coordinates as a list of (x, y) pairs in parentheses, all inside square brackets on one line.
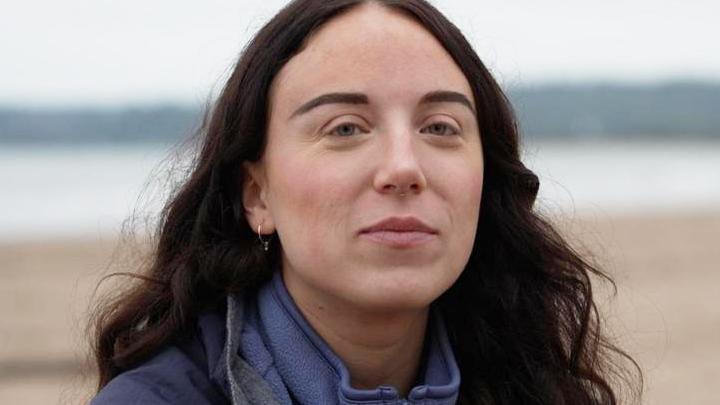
[(254, 198)]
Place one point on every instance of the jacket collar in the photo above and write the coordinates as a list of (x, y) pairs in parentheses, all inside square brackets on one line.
[(272, 349)]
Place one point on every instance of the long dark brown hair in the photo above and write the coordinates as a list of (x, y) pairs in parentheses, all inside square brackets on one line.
[(521, 317)]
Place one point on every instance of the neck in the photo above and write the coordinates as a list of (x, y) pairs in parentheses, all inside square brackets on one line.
[(379, 349)]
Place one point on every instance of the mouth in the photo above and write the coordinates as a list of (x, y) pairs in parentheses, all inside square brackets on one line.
[(400, 232)]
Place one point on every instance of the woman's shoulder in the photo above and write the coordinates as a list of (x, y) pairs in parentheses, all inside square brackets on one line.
[(188, 371)]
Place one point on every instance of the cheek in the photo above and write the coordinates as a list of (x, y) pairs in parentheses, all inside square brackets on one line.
[(473, 175), (463, 191), (309, 203), (474, 190)]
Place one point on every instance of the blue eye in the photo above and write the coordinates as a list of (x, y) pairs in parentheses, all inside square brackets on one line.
[(346, 130), (439, 128)]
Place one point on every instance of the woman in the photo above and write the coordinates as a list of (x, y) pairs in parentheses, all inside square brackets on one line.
[(358, 229)]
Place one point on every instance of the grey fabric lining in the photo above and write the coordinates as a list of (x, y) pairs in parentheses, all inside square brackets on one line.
[(247, 387)]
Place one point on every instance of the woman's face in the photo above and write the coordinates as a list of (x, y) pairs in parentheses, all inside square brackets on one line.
[(373, 169)]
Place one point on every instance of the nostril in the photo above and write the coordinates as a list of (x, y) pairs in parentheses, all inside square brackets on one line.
[(399, 177)]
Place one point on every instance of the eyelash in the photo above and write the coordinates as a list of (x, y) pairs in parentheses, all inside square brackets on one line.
[(335, 129), (447, 127)]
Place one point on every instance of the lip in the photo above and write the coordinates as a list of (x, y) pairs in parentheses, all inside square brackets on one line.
[(400, 232)]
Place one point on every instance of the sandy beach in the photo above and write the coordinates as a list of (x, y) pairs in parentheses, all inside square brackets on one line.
[(666, 312)]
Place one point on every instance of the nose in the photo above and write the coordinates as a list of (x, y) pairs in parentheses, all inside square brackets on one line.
[(400, 170)]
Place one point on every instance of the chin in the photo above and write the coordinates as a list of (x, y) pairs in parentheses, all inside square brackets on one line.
[(408, 294)]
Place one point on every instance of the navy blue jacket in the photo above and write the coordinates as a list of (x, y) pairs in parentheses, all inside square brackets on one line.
[(261, 350), (188, 372)]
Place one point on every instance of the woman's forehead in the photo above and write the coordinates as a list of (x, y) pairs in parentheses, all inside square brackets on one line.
[(371, 50)]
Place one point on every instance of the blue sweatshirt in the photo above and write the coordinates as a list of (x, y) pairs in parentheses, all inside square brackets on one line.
[(263, 351)]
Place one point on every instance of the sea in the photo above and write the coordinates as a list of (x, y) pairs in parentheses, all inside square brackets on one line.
[(65, 191)]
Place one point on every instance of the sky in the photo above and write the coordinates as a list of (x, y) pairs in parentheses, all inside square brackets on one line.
[(107, 53)]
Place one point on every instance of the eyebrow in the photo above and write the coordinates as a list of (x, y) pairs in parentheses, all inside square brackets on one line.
[(447, 96), (441, 96), (332, 98)]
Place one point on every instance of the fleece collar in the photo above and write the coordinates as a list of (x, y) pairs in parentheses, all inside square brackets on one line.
[(300, 368)]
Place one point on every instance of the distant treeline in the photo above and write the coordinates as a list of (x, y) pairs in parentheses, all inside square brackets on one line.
[(680, 110), (121, 125)]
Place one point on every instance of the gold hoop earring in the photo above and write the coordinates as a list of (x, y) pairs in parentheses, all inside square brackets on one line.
[(265, 243)]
